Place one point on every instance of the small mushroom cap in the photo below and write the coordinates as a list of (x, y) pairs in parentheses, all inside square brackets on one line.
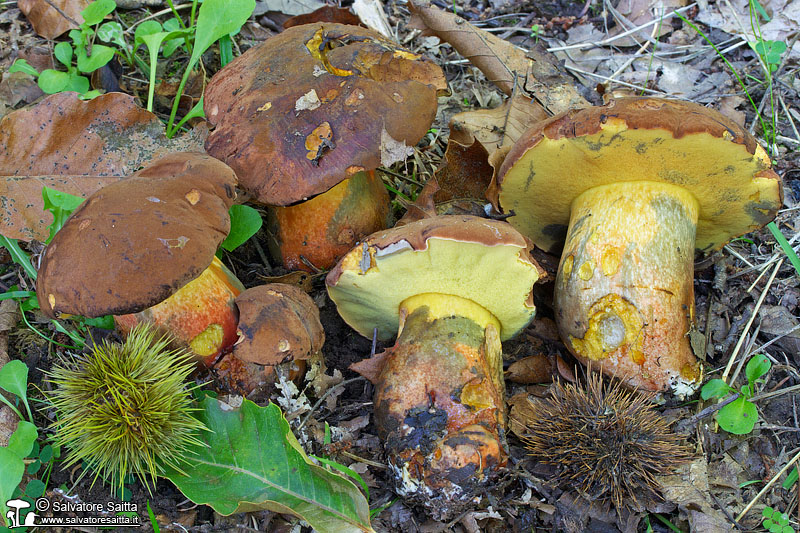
[(486, 261), (135, 242), (277, 323), (638, 139), (316, 104)]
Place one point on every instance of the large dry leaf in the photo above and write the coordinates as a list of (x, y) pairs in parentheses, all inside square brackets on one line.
[(536, 74), (498, 127), (51, 18), (74, 146)]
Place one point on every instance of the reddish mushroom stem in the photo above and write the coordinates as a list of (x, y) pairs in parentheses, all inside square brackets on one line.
[(624, 291), (201, 314), (439, 400), (324, 228)]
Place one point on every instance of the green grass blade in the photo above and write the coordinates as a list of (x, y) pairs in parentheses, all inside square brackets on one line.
[(785, 246)]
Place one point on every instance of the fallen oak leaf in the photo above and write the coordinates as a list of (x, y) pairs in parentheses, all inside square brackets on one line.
[(51, 18), (536, 73), (77, 147)]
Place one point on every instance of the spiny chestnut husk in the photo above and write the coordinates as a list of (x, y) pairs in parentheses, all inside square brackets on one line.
[(125, 408), (608, 443)]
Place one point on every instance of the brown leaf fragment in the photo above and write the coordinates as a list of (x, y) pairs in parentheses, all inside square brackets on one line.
[(51, 18), (18, 87), (466, 172), (74, 146), (498, 127), (371, 368), (22, 214), (535, 74), (532, 369), (326, 13)]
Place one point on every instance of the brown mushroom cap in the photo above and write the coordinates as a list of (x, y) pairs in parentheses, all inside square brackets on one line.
[(277, 323), (638, 139), (485, 261), (135, 242), (314, 105)]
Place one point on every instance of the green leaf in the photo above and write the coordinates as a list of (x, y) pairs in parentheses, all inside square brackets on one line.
[(100, 56), (757, 366), (46, 454), (12, 468), (19, 255), (20, 65), (102, 322), (34, 467), (111, 32), (215, 19), (34, 488), (250, 460), (147, 27), (78, 83), (53, 81), (738, 417), (245, 222), (715, 388), (14, 378), (63, 52), (345, 470), (791, 479), (61, 205), (97, 11), (767, 512), (21, 441)]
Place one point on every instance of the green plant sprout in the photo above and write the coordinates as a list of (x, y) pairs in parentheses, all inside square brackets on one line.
[(776, 521), (215, 19), (88, 55), (738, 417), (14, 380), (536, 31)]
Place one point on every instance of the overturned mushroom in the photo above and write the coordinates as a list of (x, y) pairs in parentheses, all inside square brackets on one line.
[(635, 187), (306, 117), (278, 324), (450, 288), (142, 249)]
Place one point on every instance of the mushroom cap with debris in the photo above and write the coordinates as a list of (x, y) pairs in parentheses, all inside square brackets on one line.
[(277, 323), (485, 261), (316, 104), (638, 139), (134, 243)]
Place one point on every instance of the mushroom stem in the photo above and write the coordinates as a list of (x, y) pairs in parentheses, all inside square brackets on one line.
[(201, 314), (326, 227), (624, 290), (439, 399)]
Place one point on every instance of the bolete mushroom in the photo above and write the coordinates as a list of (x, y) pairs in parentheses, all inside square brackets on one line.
[(306, 117), (278, 324), (635, 187), (451, 288), (142, 249)]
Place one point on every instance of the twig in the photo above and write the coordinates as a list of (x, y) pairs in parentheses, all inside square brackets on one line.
[(610, 40), (750, 322), (322, 398), (710, 410), (767, 486)]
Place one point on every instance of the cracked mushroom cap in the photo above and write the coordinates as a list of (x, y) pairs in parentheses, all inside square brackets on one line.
[(134, 243), (485, 261), (315, 104), (638, 139), (277, 323)]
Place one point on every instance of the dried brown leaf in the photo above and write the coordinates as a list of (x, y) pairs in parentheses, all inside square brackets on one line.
[(74, 146), (535, 74), (326, 13), (532, 369), (51, 18)]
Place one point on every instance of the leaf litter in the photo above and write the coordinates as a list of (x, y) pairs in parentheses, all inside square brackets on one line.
[(728, 471)]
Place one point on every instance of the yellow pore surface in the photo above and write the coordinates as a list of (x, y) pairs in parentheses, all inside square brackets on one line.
[(374, 283), (721, 174)]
